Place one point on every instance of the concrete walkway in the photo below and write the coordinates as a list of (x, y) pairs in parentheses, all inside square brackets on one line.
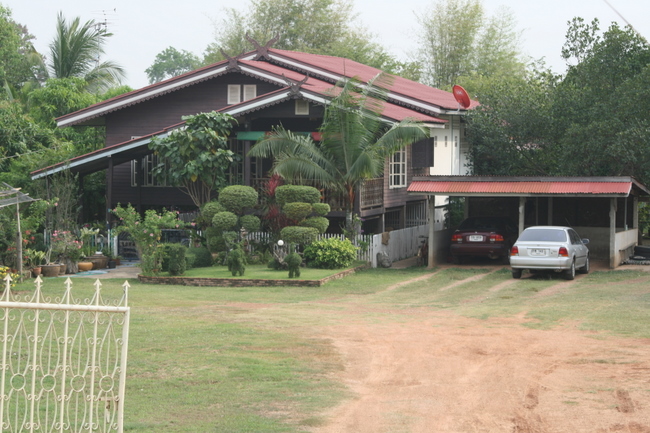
[(124, 271)]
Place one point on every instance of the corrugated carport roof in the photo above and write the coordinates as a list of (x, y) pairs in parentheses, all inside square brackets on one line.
[(467, 186)]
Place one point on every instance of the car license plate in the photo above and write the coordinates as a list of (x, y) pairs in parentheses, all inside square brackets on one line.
[(476, 238), (537, 252)]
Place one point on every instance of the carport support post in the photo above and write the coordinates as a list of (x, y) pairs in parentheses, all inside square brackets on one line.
[(613, 254), (522, 213), (432, 230)]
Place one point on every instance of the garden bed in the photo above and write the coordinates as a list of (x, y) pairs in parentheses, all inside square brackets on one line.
[(246, 282)]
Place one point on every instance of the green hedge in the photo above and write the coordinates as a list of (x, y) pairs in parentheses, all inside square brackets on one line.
[(330, 253)]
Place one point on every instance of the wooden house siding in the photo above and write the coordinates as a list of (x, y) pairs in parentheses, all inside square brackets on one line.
[(156, 114)]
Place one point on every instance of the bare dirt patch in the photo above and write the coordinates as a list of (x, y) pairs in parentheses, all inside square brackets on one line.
[(433, 371)]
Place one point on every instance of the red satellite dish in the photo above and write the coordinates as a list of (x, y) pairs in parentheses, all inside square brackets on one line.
[(461, 96)]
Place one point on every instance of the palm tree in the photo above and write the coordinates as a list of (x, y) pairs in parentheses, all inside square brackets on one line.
[(76, 50), (355, 143)]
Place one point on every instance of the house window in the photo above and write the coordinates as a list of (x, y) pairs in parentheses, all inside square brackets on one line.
[(236, 171), (235, 92), (302, 107), (143, 175), (397, 169)]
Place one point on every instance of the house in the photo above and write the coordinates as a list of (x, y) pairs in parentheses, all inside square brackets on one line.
[(262, 89)]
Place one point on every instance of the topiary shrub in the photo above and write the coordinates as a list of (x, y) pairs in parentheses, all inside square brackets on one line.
[(250, 222), (330, 253), (224, 221), (296, 193), (210, 209), (298, 235), (175, 258), (293, 261), (200, 257), (237, 198), (237, 261), (320, 209), (319, 223), (297, 211)]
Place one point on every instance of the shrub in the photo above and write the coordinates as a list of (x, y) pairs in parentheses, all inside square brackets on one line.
[(293, 261), (236, 198), (297, 211), (210, 209), (330, 253), (224, 221), (250, 222), (319, 223), (174, 259), (298, 235), (201, 257), (320, 209), (296, 193)]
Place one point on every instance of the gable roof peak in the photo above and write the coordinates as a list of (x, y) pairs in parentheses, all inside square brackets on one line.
[(262, 51)]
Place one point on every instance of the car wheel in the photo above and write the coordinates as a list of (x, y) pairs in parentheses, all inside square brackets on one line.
[(585, 268), (516, 273), (571, 273)]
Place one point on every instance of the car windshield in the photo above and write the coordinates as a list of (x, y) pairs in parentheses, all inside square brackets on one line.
[(543, 235), (483, 223)]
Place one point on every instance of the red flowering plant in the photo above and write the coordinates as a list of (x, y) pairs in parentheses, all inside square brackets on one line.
[(146, 233), (66, 245)]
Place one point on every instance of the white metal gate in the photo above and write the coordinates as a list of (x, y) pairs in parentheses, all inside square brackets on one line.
[(63, 361)]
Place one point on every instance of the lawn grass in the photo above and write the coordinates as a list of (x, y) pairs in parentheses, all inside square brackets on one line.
[(250, 359)]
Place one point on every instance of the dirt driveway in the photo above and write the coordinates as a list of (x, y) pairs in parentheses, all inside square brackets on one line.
[(428, 370)]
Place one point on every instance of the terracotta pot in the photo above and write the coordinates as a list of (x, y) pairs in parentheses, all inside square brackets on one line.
[(85, 266), (36, 271), (51, 270)]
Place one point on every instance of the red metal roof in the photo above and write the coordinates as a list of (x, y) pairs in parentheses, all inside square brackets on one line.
[(615, 186)]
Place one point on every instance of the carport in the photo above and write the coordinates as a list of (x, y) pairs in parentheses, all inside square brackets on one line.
[(603, 209)]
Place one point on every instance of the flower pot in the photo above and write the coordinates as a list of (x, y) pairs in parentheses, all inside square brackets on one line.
[(51, 270), (62, 269), (112, 264), (36, 271), (85, 266)]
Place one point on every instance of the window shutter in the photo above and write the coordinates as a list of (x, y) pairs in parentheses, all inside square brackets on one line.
[(422, 153), (250, 91), (234, 93), (302, 107)]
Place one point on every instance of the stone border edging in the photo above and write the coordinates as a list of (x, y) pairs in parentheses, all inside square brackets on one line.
[(244, 282)]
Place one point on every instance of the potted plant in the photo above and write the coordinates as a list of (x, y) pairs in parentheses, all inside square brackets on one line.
[(35, 260)]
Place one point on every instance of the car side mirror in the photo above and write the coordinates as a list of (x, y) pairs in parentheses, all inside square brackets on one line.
[(585, 241)]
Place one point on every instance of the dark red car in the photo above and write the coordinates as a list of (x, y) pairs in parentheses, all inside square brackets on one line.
[(489, 237)]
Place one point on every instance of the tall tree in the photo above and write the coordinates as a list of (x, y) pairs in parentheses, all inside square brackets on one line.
[(354, 145), (457, 39), (17, 55), (170, 62), (314, 26), (76, 51)]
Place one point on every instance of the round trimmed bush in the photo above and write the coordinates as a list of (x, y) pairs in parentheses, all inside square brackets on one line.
[(224, 220), (330, 253), (296, 193), (298, 235), (297, 211), (250, 222), (319, 223), (321, 209), (237, 198), (210, 209)]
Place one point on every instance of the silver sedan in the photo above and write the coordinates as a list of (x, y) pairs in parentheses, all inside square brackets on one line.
[(555, 248)]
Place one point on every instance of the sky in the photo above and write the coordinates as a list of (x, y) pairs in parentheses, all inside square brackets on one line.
[(142, 29)]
